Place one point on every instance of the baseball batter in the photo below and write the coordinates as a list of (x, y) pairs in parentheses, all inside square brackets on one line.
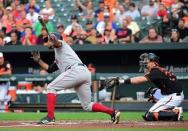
[(167, 82), (74, 74), (5, 69)]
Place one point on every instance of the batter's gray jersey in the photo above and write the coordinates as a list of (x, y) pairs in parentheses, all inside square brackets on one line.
[(65, 57)]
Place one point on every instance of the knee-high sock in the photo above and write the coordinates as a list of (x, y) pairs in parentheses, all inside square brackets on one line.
[(51, 102), (97, 107)]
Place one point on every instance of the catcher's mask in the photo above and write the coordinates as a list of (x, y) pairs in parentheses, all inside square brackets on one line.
[(148, 57)]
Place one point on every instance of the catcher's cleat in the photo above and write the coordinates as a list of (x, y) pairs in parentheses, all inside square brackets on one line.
[(115, 117), (180, 113), (144, 117), (47, 120)]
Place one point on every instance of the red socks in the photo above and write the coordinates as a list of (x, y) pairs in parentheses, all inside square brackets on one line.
[(97, 107), (51, 102)]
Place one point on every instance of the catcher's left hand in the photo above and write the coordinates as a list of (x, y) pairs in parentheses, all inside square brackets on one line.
[(111, 82)]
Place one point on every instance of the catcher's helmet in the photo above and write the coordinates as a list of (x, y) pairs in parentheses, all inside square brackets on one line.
[(148, 57)]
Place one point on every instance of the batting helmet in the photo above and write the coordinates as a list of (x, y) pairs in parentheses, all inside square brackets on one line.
[(54, 34)]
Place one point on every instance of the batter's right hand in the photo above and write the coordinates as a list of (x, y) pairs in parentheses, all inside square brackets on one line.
[(35, 55)]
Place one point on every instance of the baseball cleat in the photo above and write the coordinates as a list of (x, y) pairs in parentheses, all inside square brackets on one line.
[(115, 117), (46, 120), (180, 113)]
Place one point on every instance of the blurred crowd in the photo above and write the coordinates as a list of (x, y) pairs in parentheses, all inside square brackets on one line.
[(110, 22)]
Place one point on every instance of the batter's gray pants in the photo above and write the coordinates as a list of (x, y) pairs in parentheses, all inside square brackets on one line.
[(79, 78)]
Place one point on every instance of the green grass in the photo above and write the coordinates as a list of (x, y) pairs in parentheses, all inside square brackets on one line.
[(74, 116)]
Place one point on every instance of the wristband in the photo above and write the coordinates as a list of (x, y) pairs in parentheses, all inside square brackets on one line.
[(38, 60), (127, 81)]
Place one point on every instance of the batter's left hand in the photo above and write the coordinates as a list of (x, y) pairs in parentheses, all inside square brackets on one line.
[(35, 55)]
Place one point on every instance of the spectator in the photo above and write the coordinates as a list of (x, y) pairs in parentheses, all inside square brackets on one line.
[(110, 3), (5, 69), (14, 29), (78, 35), (100, 9), (120, 14), (176, 7), (88, 12), (185, 9), (106, 11), (32, 15), (133, 11), (38, 27), (2, 42), (149, 10), (1, 13), (69, 29), (92, 38), (182, 29), (126, 4), (176, 11), (17, 12), (23, 21), (152, 37), (29, 38), (60, 30), (141, 3), (48, 10), (100, 38), (7, 21), (109, 37), (102, 24), (42, 38), (167, 3), (175, 36), (132, 25), (91, 68), (124, 34), (89, 27), (32, 3), (40, 86), (6, 38), (14, 39), (163, 14)]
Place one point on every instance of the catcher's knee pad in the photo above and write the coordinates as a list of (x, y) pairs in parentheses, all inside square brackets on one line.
[(149, 116)]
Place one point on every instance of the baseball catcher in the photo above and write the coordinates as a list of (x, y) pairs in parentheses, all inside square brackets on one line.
[(165, 107)]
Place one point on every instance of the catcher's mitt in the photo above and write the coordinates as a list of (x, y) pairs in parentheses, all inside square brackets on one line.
[(111, 82)]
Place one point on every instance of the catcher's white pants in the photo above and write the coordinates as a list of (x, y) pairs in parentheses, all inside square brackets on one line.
[(167, 101), (79, 78)]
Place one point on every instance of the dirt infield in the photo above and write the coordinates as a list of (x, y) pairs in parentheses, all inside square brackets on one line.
[(95, 124)]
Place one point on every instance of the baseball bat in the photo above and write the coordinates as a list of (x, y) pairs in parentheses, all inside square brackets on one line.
[(42, 23), (113, 96), (44, 26)]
